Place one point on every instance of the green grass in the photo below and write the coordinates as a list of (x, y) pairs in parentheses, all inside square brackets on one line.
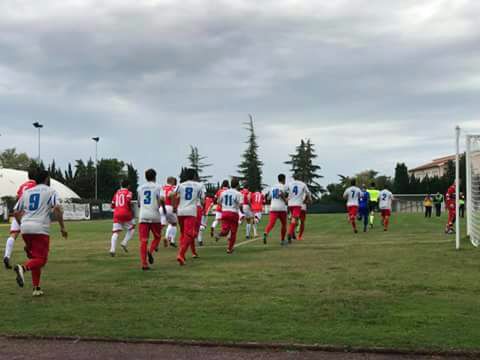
[(407, 289)]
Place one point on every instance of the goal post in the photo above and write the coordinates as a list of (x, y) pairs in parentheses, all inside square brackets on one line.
[(473, 188)]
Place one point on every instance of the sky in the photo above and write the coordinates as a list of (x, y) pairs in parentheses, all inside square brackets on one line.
[(370, 82)]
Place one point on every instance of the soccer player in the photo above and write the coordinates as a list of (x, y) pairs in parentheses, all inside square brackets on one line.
[(150, 200), (257, 200), (303, 220), (450, 202), (218, 211), (122, 217), (15, 226), (246, 211), (231, 201), (208, 205), (385, 205), (190, 193), (170, 218), (33, 212), (278, 196), (352, 195), (373, 204), (298, 193), (364, 207)]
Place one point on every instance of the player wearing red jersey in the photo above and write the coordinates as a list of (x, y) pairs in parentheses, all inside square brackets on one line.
[(257, 201), (170, 218), (207, 207), (15, 226), (218, 210), (231, 201), (122, 217), (450, 203), (246, 212)]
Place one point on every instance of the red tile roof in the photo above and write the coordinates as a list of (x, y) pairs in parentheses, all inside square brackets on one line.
[(436, 163)]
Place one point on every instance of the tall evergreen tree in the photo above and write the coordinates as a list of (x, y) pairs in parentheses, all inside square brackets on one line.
[(197, 162), (132, 177), (401, 182), (110, 174), (303, 168), (250, 169)]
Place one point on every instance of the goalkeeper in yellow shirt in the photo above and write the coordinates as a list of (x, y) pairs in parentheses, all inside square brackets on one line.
[(373, 204)]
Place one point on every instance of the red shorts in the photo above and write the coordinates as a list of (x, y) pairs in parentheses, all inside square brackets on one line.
[(188, 226), (303, 215), (145, 228), (37, 245), (386, 212), (119, 218), (296, 211), (352, 211)]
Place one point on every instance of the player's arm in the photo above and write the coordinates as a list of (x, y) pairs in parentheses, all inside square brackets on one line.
[(58, 212), (345, 194), (18, 211)]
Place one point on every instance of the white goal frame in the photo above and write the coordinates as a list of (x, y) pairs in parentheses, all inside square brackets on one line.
[(469, 202)]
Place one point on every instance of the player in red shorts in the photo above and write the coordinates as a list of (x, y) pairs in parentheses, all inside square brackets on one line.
[(218, 210), (277, 195), (190, 193), (122, 217), (303, 219), (257, 201), (33, 212), (150, 200), (208, 205), (450, 203), (170, 219), (385, 204), (15, 227), (297, 193), (352, 195), (231, 201), (246, 211)]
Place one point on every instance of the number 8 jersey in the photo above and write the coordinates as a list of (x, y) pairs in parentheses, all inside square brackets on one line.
[(190, 194), (37, 204), (148, 201)]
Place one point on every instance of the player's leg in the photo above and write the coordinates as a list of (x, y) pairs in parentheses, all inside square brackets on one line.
[(256, 219), (38, 248), (272, 219), (365, 220), (128, 234), (203, 226), (283, 221), (156, 229), (386, 220), (116, 229), (143, 233), (295, 218), (372, 213), (352, 214), (303, 219), (190, 234), (14, 231), (182, 246), (218, 217), (233, 233)]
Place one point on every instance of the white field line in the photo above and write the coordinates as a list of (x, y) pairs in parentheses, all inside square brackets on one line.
[(246, 242)]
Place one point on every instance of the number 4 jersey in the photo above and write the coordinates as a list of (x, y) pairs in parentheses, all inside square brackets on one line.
[(148, 201), (37, 204), (297, 193), (190, 194)]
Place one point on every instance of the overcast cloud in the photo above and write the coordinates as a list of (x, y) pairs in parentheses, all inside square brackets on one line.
[(371, 82)]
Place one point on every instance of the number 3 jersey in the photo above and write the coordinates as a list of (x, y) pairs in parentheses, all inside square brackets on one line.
[(37, 204), (148, 201), (297, 193), (190, 194), (231, 200)]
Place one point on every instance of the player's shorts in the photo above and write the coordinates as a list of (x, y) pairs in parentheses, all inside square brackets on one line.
[(386, 212), (170, 217), (14, 227), (303, 215), (373, 206), (258, 215), (247, 211), (145, 228), (364, 211), (296, 211), (352, 211), (119, 226), (218, 215)]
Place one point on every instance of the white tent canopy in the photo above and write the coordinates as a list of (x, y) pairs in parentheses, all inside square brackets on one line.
[(11, 179)]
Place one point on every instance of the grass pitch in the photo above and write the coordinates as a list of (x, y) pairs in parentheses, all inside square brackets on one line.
[(406, 289)]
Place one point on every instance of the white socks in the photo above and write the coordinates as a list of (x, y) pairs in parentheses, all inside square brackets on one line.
[(128, 237), (200, 236), (248, 229), (171, 233), (9, 247), (113, 245)]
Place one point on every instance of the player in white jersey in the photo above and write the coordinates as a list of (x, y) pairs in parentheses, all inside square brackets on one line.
[(150, 199), (352, 195), (278, 195), (298, 193), (189, 193), (33, 212), (231, 201), (385, 204)]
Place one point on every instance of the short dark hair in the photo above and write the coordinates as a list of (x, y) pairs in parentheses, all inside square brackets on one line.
[(235, 183), (281, 177), (171, 180), (353, 182), (150, 175), (191, 174), (32, 173), (125, 183), (225, 183), (42, 176), (372, 184)]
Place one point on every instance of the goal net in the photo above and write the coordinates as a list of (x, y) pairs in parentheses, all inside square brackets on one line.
[(473, 188)]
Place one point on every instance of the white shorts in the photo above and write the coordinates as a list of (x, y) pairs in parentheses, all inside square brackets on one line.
[(170, 217), (218, 215), (14, 226), (258, 216), (126, 225), (247, 211), (204, 221)]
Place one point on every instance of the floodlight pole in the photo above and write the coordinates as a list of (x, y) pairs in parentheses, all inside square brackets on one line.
[(457, 189), (38, 126)]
